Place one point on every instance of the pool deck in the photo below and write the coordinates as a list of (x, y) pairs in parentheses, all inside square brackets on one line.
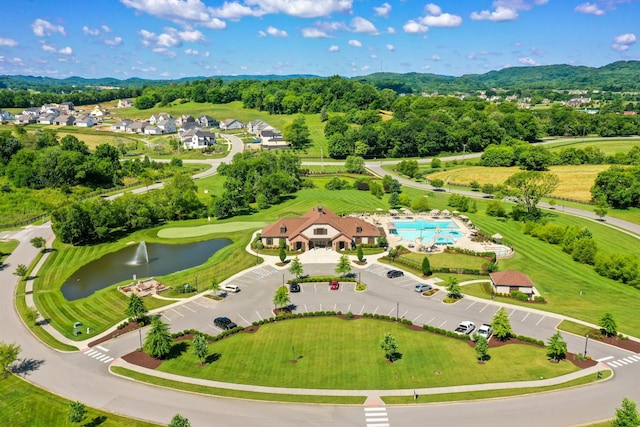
[(418, 245)]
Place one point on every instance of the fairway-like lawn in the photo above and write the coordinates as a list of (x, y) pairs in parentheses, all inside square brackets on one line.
[(6, 247), (444, 259), (203, 230), (332, 353), (25, 405)]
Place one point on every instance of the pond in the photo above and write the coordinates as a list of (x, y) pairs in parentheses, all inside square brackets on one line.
[(140, 261)]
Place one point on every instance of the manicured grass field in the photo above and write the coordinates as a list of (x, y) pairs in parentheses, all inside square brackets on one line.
[(607, 145), (25, 405), (332, 353), (6, 247), (447, 260), (203, 230)]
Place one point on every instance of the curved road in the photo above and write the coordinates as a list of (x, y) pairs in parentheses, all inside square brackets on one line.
[(79, 377)]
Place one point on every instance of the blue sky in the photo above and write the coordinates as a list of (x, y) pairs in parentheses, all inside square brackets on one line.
[(167, 39)]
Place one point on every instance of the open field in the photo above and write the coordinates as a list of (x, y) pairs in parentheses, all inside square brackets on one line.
[(318, 344), (203, 230), (575, 181), (447, 260), (25, 405), (607, 145)]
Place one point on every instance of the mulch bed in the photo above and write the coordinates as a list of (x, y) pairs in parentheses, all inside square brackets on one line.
[(141, 358), (130, 327), (626, 344)]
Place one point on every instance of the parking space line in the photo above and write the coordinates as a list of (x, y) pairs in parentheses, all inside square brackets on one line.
[(349, 308), (416, 318), (335, 307), (315, 288), (320, 307), (404, 314), (541, 319), (189, 308), (432, 319), (362, 309), (376, 310), (525, 317), (165, 316), (201, 305), (443, 323), (243, 319), (391, 311), (305, 308), (259, 315), (470, 305), (511, 314), (487, 305), (176, 311)]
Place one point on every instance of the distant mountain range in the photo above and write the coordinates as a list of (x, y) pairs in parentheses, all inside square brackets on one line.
[(619, 76)]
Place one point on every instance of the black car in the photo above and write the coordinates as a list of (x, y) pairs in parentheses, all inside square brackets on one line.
[(394, 273), (294, 287), (224, 323)]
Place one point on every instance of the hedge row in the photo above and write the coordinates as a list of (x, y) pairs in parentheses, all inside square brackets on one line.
[(322, 279), (385, 317), (209, 338), (445, 332)]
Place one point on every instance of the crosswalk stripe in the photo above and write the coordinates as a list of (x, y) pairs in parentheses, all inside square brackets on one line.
[(614, 364), (103, 358), (108, 360), (94, 356), (628, 359), (102, 348), (635, 357), (378, 425), (603, 359), (90, 352), (376, 419), (622, 361)]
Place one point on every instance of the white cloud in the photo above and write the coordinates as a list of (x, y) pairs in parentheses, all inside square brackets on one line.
[(472, 55), (390, 47), (116, 41), (373, 56), (8, 42), (273, 31), (527, 61), (383, 11), (66, 51), (365, 68), (436, 58), (391, 30), (355, 43), (589, 9), (184, 12), (623, 42), (331, 26), (170, 38), (301, 8), (314, 33), (90, 31), (333, 48), (42, 28), (191, 36), (12, 61), (433, 9), (144, 69), (361, 25), (262, 34), (192, 52), (106, 29), (443, 20), (413, 27), (499, 15), (48, 48), (164, 51)]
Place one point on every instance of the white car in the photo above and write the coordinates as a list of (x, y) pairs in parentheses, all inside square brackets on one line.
[(465, 327), (230, 288), (483, 330)]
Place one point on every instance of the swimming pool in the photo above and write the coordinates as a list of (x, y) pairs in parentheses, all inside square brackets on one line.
[(443, 232)]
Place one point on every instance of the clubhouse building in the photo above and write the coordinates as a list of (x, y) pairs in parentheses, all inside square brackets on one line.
[(320, 228)]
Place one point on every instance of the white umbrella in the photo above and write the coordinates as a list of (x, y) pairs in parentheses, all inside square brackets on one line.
[(497, 236)]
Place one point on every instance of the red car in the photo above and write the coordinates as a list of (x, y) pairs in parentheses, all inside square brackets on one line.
[(334, 285)]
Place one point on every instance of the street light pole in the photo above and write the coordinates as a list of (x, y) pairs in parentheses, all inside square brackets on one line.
[(397, 310), (140, 334), (586, 341)]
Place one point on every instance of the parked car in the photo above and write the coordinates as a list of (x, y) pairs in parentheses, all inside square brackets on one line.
[(423, 287), (230, 288), (294, 287), (224, 323), (394, 273), (483, 330), (465, 327), (334, 285)]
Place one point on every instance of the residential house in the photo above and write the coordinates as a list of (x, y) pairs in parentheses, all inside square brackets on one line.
[(121, 125), (86, 121), (272, 139), (64, 120), (207, 121), (47, 118), (320, 228), (155, 118), (5, 115), (50, 109), (229, 124), (124, 103), (98, 111), (255, 126), (505, 282), (67, 107), (167, 125), (152, 130), (184, 119), (137, 126), (25, 119), (197, 139)]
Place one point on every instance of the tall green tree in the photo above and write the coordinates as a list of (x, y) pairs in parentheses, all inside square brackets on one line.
[(426, 266), (21, 270), (608, 325), (158, 341), (501, 325), (281, 297), (282, 254), (556, 347), (482, 348), (200, 348), (135, 311), (453, 287), (179, 421), (344, 265), (296, 267), (8, 355), (297, 132), (215, 286), (77, 412), (360, 253), (627, 415), (389, 346), (531, 186), (39, 242)]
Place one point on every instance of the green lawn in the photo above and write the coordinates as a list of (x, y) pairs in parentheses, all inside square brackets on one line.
[(333, 353), (6, 247), (447, 260), (203, 230), (25, 405)]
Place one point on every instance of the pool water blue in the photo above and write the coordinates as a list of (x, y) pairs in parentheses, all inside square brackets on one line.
[(438, 231)]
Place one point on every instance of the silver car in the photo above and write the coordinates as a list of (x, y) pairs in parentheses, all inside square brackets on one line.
[(423, 287)]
